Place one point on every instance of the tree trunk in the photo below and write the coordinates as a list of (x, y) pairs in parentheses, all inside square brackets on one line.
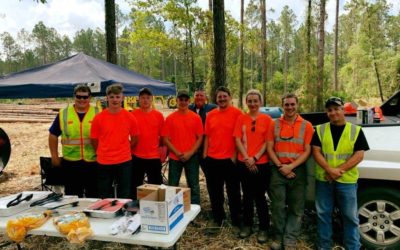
[(187, 56), (210, 47), (251, 70), (174, 54), (162, 62), (285, 70), (175, 68), (264, 49), (219, 45), (189, 27), (335, 72), (378, 78), (309, 12), (241, 76), (111, 43), (320, 64), (309, 88)]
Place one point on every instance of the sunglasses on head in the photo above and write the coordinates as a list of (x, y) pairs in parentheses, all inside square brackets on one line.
[(81, 97)]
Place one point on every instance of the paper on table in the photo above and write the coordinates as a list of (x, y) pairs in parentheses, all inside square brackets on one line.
[(126, 225)]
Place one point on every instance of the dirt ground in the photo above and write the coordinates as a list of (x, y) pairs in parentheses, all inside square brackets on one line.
[(29, 142)]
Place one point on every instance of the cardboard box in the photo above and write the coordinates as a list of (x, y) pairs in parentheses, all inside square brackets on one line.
[(186, 199), (146, 189), (161, 210)]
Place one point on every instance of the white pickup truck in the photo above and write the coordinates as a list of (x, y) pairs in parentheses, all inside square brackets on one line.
[(379, 183)]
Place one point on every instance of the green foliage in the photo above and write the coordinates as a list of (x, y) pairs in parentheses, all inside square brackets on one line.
[(44, 45), (164, 37), (90, 42)]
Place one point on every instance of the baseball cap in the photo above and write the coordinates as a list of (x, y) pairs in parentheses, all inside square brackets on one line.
[(183, 93), (144, 91), (333, 101)]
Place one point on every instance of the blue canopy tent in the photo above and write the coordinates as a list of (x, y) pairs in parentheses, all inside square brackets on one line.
[(59, 79)]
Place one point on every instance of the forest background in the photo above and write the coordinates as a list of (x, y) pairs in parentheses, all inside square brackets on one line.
[(172, 40)]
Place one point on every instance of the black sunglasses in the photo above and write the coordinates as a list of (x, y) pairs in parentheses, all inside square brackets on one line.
[(82, 97), (253, 126)]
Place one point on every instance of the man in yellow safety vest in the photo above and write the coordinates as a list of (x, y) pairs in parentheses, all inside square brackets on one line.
[(338, 147), (73, 124)]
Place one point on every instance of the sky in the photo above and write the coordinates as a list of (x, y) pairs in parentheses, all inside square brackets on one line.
[(70, 16)]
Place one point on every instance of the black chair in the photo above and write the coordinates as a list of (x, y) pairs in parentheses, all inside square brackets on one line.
[(50, 176)]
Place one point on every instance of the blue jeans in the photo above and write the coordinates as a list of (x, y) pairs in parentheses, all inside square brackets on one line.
[(192, 176), (345, 195)]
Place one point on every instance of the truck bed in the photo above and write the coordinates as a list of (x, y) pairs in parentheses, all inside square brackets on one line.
[(390, 110), (317, 118)]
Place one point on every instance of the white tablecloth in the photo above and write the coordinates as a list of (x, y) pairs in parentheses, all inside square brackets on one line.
[(101, 229)]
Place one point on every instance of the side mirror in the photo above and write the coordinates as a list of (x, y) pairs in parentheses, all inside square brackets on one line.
[(5, 149)]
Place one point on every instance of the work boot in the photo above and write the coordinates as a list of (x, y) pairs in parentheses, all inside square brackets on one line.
[(245, 232), (214, 224), (213, 227), (262, 236), (235, 230), (276, 245)]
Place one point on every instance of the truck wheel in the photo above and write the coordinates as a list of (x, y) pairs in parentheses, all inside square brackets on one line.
[(171, 102), (379, 214)]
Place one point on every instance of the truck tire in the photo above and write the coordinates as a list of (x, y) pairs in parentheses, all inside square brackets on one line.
[(171, 102), (379, 214)]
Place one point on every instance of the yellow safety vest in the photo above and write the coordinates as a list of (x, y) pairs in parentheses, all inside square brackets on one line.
[(344, 151), (75, 135)]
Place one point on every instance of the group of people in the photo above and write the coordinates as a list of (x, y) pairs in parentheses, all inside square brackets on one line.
[(108, 153)]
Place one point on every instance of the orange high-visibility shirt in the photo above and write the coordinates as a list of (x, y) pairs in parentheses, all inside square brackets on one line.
[(289, 139), (219, 130), (253, 134), (182, 131), (113, 132), (150, 126)]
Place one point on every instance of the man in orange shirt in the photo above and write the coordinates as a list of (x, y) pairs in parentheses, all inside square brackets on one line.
[(288, 146), (145, 154), (183, 134), (114, 133), (220, 156)]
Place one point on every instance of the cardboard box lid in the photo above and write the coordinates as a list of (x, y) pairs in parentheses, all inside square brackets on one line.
[(161, 194)]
